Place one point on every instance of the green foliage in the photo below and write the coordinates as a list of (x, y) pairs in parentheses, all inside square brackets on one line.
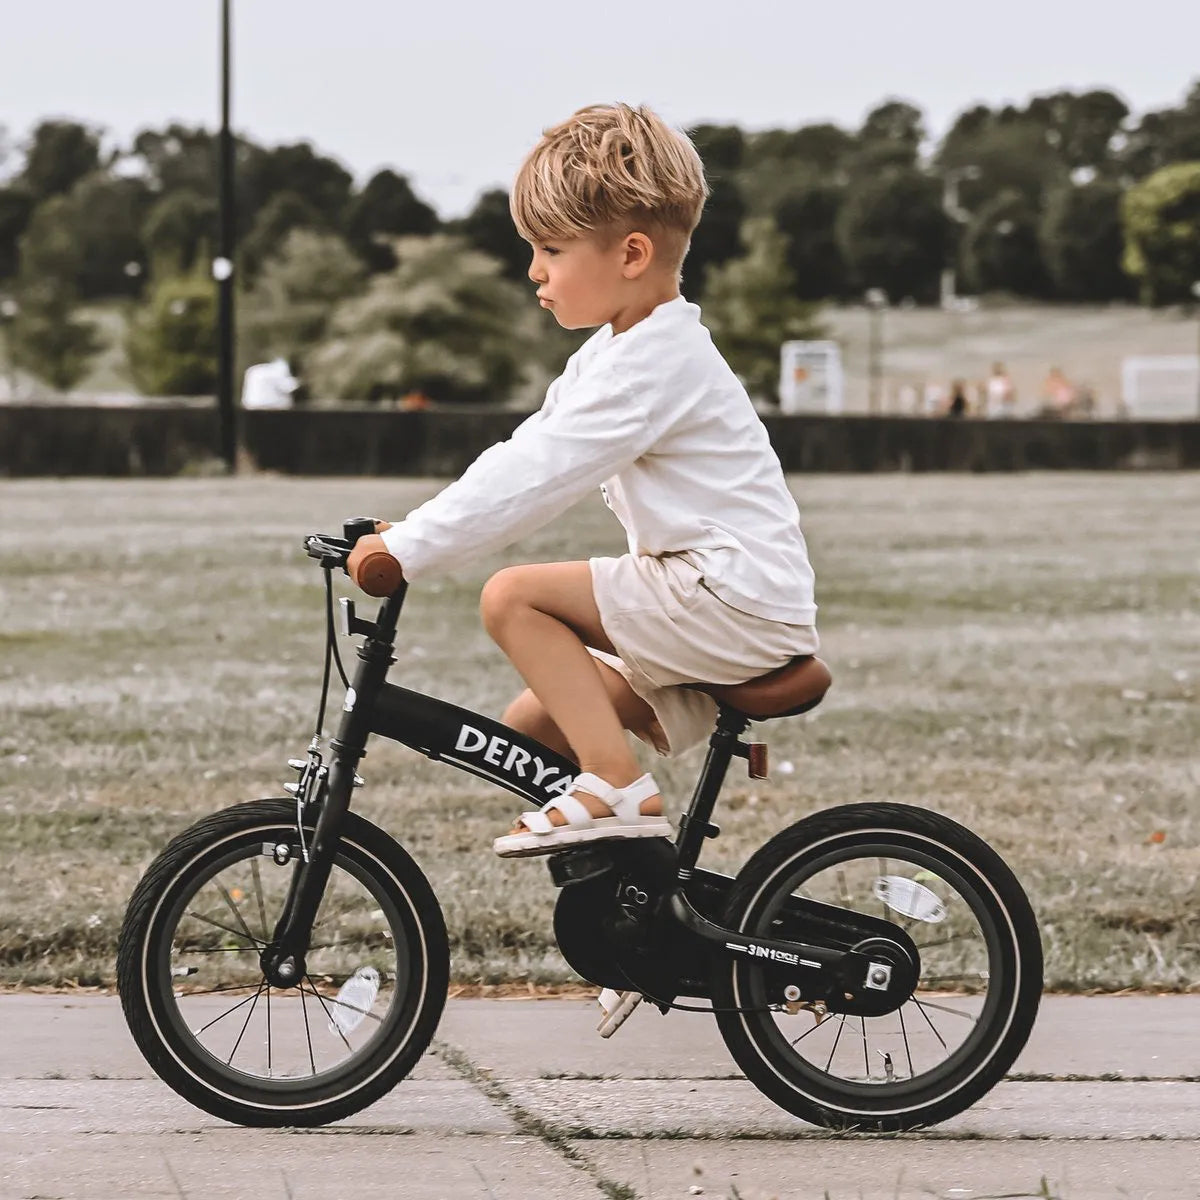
[(287, 311), (47, 339), (489, 227), (718, 236), (808, 220), (180, 232), (894, 234), (1081, 240), (283, 213), (172, 343), (1001, 252), (1161, 217), (57, 156), (385, 209), (444, 322), (16, 208), (751, 308)]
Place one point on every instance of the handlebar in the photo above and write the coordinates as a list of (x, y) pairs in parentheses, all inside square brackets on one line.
[(380, 574)]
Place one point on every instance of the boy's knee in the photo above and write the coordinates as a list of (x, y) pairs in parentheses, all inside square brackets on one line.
[(500, 595)]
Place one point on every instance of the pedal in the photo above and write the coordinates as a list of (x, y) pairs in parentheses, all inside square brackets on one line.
[(578, 866), (756, 760), (616, 1007)]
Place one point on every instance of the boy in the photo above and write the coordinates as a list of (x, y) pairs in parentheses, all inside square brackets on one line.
[(717, 586)]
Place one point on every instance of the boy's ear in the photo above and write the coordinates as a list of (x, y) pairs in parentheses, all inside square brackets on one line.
[(639, 254)]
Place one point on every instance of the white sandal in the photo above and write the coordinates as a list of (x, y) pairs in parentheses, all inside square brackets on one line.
[(542, 836)]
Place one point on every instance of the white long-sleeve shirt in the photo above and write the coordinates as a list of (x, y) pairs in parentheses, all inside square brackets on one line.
[(655, 417)]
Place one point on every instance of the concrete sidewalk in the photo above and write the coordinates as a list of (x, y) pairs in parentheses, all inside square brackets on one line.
[(520, 1099)]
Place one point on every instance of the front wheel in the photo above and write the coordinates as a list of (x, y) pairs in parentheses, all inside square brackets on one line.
[(210, 1025), (970, 1011)]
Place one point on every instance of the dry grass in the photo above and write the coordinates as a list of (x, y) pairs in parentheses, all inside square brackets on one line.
[(1020, 652)]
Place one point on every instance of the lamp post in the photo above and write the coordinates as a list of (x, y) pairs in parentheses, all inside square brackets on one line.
[(222, 267), (876, 305), (9, 310), (960, 216), (1196, 293)]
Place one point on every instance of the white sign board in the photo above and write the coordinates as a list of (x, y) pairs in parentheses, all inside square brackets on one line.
[(810, 377)]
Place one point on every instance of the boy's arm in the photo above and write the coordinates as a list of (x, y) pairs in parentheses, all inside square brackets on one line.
[(552, 459)]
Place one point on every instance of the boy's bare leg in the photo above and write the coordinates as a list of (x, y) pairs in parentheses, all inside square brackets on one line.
[(543, 616)]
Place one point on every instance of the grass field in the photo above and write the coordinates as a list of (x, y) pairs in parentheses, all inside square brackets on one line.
[(1019, 652)]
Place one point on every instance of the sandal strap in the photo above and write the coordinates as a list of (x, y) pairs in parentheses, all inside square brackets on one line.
[(585, 781), (537, 822), (577, 815), (627, 801)]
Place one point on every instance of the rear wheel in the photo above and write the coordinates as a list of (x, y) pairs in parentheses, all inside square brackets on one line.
[(208, 1022), (973, 1005)]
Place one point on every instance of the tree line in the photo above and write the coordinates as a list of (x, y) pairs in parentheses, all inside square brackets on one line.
[(371, 293)]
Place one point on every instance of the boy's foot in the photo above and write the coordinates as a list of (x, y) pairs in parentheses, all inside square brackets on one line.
[(616, 1007), (589, 811)]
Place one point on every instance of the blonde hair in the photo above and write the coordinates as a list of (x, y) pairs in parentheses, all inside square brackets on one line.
[(611, 169)]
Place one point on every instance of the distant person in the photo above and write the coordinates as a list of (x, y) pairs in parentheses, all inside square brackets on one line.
[(934, 399), (1057, 394), (958, 405), (1001, 395), (269, 385)]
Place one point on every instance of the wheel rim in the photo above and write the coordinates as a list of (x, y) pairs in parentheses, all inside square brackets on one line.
[(208, 990), (963, 1001)]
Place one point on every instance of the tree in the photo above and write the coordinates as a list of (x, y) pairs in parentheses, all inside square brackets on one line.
[(807, 218), (283, 213), (16, 208), (298, 169), (489, 227), (1167, 136), (1081, 239), (1000, 250), (88, 238), (721, 148), (385, 209), (47, 338), (780, 162), (751, 308), (286, 313), (172, 342), (444, 322), (1161, 218), (1080, 127), (894, 234), (717, 238), (180, 232), (58, 155)]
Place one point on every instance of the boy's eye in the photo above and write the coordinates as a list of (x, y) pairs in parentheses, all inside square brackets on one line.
[(551, 250)]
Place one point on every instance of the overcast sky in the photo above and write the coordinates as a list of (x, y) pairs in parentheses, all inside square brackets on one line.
[(453, 94)]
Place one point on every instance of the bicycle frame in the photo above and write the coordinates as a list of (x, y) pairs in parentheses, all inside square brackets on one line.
[(491, 750)]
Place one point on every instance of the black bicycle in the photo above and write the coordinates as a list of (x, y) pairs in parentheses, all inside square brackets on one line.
[(285, 962)]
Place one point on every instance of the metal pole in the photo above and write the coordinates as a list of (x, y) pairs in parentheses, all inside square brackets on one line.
[(223, 264)]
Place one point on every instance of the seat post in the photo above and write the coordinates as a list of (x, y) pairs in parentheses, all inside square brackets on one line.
[(731, 724)]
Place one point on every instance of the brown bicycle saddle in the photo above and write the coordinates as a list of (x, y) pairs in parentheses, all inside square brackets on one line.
[(784, 692)]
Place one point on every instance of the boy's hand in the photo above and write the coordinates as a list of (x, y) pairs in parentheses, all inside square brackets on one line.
[(372, 568)]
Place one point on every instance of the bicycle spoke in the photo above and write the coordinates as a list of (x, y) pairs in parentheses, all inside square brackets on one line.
[(325, 1006), (975, 976), (955, 1012), (268, 1033), (866, 1055), (258, 892), (921, 1010), (954, 937), (837, 1038), (191, 912), (245, 1026), (904, 1034), (312, 1062), (226, 1013), (236, 912)]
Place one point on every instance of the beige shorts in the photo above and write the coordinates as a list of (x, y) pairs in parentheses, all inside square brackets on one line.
[(669, 629)]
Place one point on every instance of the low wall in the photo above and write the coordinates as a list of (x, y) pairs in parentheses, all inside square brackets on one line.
[(40, 440)]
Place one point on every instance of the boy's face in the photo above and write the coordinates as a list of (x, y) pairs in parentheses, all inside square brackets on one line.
[(580, 280)]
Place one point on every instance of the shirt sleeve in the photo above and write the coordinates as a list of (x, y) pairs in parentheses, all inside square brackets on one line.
[(579, 438)]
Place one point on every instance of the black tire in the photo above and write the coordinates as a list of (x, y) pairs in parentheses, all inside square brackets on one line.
[(406, 928), (1007, 948)]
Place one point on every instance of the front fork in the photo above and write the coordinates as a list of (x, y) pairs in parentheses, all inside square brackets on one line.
[(282, 959)]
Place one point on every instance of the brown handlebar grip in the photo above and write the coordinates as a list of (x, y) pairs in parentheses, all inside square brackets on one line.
[(379, 574)]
